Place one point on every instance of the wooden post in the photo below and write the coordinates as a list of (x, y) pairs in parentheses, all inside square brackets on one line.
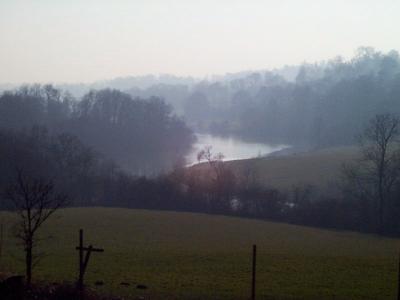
[(1, 242), (80, 278), (83, 261), (398, 281), (253, 275)]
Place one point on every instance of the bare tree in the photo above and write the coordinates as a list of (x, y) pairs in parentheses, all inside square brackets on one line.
[(222, 178), (376, 173), (34, 201)]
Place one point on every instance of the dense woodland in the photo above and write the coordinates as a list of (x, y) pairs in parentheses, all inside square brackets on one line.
[(140, 135)]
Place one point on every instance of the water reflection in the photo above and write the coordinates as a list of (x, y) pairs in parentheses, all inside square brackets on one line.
[(232, 148)]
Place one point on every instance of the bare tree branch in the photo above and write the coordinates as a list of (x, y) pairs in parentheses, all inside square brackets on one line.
[(34, 201)]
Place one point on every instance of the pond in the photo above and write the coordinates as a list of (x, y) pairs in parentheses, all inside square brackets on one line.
[(231, 147)]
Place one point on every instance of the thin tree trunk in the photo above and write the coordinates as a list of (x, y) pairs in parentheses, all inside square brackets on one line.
[(381, 196), (29, 264)]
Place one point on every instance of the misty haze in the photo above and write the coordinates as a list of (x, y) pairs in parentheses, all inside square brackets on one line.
[(199, 150)]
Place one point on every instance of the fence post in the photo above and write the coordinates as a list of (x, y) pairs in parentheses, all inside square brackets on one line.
[(80, 279), (253, 275), (398, 280), (1, 242)]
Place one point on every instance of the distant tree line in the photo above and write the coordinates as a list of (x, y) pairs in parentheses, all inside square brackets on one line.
[(142, 136), (326, 104)]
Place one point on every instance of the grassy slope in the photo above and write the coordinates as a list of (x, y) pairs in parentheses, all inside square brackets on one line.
[(195, 256), (319, 168)]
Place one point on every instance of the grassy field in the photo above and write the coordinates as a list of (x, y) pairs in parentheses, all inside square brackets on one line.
[(195, 256), (320, 168)]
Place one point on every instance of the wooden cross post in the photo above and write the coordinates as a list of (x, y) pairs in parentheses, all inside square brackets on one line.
[(83, 261)]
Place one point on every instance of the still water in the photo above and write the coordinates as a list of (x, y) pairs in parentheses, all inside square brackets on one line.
[(232, 148)]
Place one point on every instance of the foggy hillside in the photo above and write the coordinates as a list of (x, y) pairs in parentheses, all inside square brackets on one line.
[(148, 128), (324, 104)]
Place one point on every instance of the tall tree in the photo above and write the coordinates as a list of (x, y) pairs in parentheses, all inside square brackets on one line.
[(378, 170), (34, 201)]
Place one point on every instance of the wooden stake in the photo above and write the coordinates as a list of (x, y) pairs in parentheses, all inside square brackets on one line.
[(398, 281), (253, 277), (80, 278), (1, 242)]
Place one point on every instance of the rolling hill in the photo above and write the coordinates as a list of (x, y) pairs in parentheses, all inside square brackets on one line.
[(319, 167), (197, 256)]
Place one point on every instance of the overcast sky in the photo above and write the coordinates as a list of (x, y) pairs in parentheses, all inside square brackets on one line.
[(83, 41)]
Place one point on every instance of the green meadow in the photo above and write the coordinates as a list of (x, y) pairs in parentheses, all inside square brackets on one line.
[(323, 167), (196, 256)]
